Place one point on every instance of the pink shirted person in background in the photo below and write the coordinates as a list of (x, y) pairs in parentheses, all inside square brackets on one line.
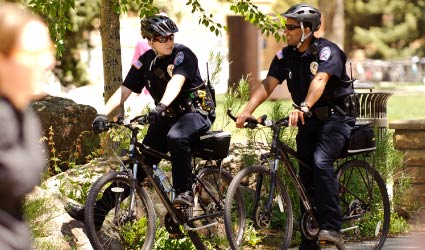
[(141, 47)]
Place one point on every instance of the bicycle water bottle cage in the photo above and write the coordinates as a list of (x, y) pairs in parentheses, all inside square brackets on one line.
[(213, 145)]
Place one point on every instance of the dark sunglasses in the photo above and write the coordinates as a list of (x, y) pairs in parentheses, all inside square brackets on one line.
[(164, 39), (292, 27)]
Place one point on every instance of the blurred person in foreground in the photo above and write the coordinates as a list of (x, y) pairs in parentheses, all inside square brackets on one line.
[(25, 55), (314, 69)]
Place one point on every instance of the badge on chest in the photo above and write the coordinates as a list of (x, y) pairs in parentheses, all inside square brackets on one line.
[(313, 67)]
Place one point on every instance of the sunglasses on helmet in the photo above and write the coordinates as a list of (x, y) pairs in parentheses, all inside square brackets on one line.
[(292, 27), (164, 39)]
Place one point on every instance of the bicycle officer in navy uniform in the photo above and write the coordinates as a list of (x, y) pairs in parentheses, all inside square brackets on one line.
[(314, 69), (184, 108)]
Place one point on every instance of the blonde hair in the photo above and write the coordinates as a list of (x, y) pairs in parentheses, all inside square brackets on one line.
[(13, 19)]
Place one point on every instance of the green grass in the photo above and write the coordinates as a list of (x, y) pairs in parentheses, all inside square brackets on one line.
[(406, 106)]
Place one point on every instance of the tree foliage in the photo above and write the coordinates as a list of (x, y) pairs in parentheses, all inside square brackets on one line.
[(69, 21), (55, 11), (386, 28)]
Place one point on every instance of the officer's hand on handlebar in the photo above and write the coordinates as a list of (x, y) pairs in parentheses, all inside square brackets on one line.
[(156, 113), (99, 123), (295, 116), (241, 119), (298, 114)]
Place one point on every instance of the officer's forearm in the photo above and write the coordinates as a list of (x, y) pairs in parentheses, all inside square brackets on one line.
[(117, 99), (173, 89), (316, 88)]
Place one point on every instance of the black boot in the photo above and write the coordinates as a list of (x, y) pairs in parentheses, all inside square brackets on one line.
[(75, 211), (185, 198)]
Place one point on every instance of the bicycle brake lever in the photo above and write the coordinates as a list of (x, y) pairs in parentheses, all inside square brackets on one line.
[(264, 121)]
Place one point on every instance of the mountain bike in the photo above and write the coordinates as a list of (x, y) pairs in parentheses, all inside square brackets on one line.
[(119, 213), (268, 209)]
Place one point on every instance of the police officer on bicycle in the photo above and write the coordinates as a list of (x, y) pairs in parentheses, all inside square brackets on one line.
[(314, 69), (184, 107)]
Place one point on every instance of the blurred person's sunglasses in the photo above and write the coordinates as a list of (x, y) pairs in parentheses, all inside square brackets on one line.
[(292, 27), (164, 39)]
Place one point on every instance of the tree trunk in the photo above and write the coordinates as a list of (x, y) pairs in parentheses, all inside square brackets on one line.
[(111, 50), (333, 20)]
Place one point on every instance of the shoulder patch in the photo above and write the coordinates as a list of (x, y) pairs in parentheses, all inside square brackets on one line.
[(325, 53), (179, 58), (279, 54), (137, 64)]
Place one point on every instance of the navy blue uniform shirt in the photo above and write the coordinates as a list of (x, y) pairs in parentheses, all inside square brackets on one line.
[(298, 69), (154, 73)]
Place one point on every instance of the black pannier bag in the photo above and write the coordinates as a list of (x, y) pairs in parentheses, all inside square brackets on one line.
[(213, 145), (362, 139)]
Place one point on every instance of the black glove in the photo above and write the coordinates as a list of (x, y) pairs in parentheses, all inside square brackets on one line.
[(99, 123), (156, 113)]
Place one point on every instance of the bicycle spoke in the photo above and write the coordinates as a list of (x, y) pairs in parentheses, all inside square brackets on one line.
[(365, 206), (111, 217), (209, 206), (262, 227)]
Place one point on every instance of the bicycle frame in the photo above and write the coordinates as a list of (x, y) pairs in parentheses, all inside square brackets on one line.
[(136, 151), (354, 206), (281, 153)]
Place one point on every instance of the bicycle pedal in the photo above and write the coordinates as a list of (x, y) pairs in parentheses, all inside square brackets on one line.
[(326, 242), (181, 207), (323, 242)]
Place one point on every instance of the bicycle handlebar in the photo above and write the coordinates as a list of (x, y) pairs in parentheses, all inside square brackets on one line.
[(138, 120), (262, 120)]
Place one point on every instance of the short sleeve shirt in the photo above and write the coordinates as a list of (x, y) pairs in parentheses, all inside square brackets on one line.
[(155, 72), (299, 69)]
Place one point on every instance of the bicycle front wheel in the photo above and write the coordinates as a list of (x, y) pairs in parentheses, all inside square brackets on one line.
[(114, 219), (211, 187), (264, 224), (365, 206)]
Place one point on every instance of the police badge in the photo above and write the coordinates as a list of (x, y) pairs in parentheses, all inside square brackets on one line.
[(170, 68), (313, 67)]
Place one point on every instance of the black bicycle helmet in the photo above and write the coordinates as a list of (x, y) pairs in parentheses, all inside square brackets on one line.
[(157, 25), (306, 14)]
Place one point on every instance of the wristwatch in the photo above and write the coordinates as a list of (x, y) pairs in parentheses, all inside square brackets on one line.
[(304, 105)]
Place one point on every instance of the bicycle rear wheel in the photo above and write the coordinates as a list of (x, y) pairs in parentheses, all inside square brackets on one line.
[(365, 206), (260, 228), (123, 227), (211, 188)]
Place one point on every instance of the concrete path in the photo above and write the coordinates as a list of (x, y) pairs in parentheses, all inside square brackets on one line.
[(406, 242), (411, 241)]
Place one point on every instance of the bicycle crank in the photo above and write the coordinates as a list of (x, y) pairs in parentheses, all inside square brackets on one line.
[(172, 227), (309, 227)]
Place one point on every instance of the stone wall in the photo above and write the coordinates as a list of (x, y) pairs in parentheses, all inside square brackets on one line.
[(409, 137)]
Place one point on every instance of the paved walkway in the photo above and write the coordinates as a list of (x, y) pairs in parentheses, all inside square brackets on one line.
[(411, 241), (414, 240)]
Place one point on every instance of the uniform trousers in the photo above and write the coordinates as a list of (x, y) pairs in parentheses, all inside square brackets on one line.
[(176, 137), (319, 144)]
